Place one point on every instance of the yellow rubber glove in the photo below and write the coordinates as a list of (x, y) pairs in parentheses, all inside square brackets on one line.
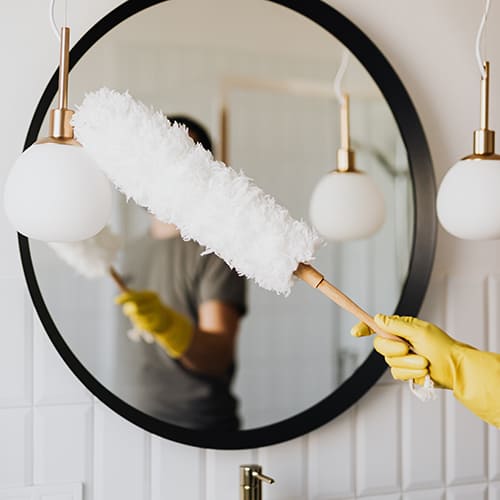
[(473, 375), (171, 330)]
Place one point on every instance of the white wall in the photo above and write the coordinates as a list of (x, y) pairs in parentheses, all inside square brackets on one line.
[(389, 446)]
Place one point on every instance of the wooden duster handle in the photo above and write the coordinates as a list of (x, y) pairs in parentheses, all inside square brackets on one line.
[(118, 279), (315, 279)]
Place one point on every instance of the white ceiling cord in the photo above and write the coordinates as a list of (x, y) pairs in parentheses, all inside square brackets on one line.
[(345, 54), (52, 17), (480, 59), (340, 74)]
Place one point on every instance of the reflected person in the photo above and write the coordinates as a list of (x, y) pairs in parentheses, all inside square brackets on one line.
[(192, 305)]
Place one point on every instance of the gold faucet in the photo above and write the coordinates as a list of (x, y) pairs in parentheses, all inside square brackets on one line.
[(251, 478)]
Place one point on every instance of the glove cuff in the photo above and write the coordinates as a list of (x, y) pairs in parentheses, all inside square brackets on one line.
[(177, 338), (476, 385)]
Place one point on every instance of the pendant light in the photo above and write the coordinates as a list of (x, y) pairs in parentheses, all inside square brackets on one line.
[(346, 204), (54, 191), (468, 205)]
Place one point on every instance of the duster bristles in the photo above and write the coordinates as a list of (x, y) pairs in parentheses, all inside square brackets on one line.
[(159, 166), (93, 257)]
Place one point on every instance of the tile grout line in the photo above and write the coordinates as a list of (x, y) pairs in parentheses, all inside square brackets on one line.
[(305, 468), (444, 408), (203, 474), (30, 333), (147, 471), (90, 492), (399, 461), (489, 293), (354, 444)]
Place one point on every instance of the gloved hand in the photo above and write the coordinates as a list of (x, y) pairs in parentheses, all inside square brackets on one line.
[(474, 376), (171, 330)]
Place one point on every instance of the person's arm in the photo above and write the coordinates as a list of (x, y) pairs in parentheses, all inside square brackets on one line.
[(206, 348), (211, 350), (220, 295), (472, 375)]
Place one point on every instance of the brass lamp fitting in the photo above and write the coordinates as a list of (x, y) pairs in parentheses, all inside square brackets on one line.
[(484, 138), (224, 127), (60, 129), (345, 155)]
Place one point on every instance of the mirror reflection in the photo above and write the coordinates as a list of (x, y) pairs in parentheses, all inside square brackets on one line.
[(255, 358)]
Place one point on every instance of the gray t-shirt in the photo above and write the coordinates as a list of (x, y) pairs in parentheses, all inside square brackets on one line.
[(184, 279)]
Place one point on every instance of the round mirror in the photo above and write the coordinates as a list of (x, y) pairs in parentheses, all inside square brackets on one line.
[(258, 78)]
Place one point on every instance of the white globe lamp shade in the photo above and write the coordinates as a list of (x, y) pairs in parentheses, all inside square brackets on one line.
[(468, 201), (347, 206), (55, 192)]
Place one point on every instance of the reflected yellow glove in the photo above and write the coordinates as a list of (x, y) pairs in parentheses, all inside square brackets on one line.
[(474, 376), (171, 330)]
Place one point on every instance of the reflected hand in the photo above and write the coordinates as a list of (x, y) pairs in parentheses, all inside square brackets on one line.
[(473, 375), (171, 330)]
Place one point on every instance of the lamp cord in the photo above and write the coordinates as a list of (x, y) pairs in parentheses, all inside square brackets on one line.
[(340, 74), (479, 58), (52, 17)]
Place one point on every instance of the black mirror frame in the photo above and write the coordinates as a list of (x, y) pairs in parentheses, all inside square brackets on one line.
[(422, 256)]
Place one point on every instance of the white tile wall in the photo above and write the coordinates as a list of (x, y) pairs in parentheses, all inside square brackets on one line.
[(494, 491), (395, 496), (16, 346), (121, 455), (469, 492), (287, 464), (333, 446), (62, 444), (177, 470), (389, 446), (378, 428), (494, 345), (69, 491), (466, 445), (425, 495), (16, 455), (218, 483), (422, 442), (53, 381), (494, 453)]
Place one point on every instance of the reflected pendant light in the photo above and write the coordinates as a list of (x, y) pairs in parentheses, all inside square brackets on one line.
[(55, 191), (346, 204), (468, 204)]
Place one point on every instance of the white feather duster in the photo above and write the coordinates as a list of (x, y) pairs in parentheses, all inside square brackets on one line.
[(159, 166), (93, 257)]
